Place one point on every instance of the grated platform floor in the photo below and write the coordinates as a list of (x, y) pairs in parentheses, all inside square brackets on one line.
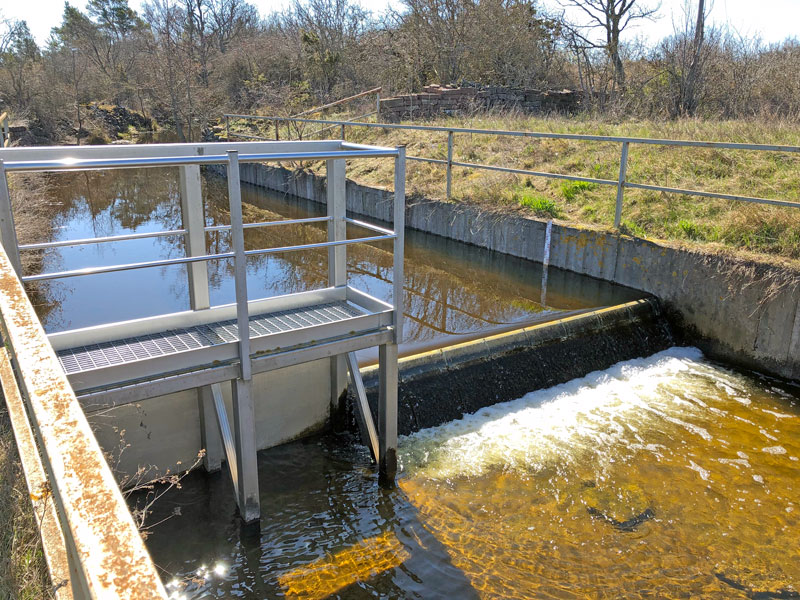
[(97, 356)]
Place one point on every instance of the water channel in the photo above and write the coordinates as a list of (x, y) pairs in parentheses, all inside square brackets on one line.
[(662, 477), (453, 290), (666, 476)]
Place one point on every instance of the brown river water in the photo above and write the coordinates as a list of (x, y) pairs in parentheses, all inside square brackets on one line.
[(663, 477)]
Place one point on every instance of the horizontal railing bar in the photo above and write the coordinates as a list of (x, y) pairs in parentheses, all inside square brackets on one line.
[(127, 267), (192, 259), (99, 240), (369, 226), (271, 223), (122, 163), (658, 188), (436, 161), (537, 134), (250, 136), (364, 240), (534, 173), (311, 111), (364, 116)]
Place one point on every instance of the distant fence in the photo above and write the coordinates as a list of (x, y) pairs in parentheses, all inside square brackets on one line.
[(621, 183)]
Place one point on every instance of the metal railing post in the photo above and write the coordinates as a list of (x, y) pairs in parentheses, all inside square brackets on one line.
[(399, 242), (193, 222), (449, 164), (337, 262), (227, 128), (623, 171), (239, 261), (342, 131), (195, 237), (243, 407), (277, 133), (8, 233), (378, 107)]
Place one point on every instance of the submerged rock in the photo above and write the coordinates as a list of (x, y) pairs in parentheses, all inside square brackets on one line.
[(758, 594), (625, 508)]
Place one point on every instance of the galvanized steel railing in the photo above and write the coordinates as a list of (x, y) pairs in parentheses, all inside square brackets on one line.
[(92, 545), (95, 549), (621, 183)]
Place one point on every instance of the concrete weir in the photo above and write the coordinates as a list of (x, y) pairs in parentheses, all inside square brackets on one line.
[(444, 384), (743, 312)]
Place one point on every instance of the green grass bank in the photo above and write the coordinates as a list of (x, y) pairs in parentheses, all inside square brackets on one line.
[(719, 225)]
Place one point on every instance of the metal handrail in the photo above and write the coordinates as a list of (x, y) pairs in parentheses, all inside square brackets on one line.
[(101, 543), (202, 258), (105, 552), (100, 240), (621, 183), (177, 161), (270, 223), (539, 134)]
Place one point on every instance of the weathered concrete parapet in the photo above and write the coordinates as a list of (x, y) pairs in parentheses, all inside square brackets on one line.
[(743, 312)]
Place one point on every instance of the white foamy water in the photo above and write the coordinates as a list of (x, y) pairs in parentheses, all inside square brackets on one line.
[(582, 419)]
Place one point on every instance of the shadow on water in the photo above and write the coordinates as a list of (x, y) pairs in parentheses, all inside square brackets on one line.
[(318, 509)]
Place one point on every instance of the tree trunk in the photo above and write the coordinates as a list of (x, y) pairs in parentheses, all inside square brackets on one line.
[(689, 104)]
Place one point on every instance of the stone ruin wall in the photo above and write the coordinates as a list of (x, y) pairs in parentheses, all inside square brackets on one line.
[(438, 100)]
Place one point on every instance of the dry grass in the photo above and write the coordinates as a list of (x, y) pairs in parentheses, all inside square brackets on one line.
[(23, 571), (717, 225)]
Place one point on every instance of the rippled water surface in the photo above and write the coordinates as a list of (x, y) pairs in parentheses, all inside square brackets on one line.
[(662, 477)]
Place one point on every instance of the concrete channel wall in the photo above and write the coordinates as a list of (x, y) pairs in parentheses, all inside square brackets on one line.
[(742, 312)]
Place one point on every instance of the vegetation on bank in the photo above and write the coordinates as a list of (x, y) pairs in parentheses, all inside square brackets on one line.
[(721, 224), (23, 571)]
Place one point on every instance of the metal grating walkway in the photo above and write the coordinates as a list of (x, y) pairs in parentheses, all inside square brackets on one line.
[(174, 341)]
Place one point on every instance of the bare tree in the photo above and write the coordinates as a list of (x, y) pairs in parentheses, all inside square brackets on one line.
[(688, 98), (612, 17)]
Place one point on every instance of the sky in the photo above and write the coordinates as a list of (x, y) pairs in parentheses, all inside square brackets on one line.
[(772, 20)]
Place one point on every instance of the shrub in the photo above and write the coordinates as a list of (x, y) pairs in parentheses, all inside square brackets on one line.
[(540, 205), (571, 189)]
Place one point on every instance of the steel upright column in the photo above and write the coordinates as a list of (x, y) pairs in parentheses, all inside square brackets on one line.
[(337, 266), (244, 416), (193, 220), (8, 233), (387, 354)]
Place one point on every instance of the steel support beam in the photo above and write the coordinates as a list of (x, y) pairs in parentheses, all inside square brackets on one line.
[(209, 432), (8, 233), (387, 414), (224, 429), (244, 419), (192, 216), (244, 416), (337, 265), (369, 434), (399, 224)]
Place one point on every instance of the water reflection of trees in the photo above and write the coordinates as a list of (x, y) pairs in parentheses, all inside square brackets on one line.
[(131, 198), (450, 287)]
